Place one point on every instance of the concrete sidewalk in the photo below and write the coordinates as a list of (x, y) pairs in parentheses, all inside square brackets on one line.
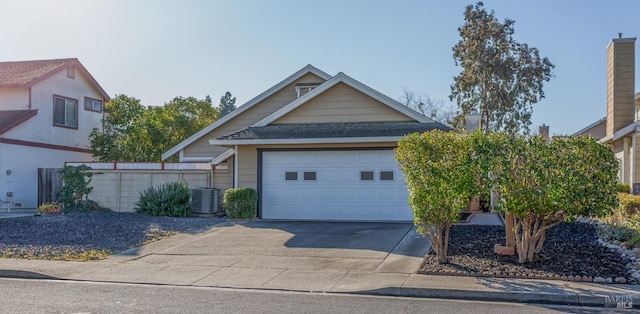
[(163, 262)]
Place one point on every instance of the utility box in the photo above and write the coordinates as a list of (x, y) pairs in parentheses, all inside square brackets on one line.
[(205, 201)]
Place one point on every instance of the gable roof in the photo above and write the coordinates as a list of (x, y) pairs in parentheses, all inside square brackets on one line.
[(29, 73), (343, 78), (9, 119), (246, 106), (590, 126)]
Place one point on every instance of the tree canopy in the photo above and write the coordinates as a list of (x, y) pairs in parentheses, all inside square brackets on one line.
[(133, 132), (227, 104), (501, 78)]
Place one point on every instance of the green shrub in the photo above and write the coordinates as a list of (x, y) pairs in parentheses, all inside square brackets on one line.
[(635, 241), (85, 206), (616, 233), (169, 199), (240, 203), (623, 188), (629, 203)]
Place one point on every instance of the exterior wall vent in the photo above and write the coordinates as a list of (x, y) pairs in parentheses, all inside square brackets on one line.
[(303, 88)]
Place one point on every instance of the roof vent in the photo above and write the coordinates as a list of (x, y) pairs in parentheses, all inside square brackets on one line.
[(303, 88)]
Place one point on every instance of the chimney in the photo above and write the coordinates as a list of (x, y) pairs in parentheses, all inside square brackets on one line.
[(471, 122), (543, 132), (620, 83)]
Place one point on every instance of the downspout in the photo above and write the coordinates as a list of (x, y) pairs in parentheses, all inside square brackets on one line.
[(235, 167), (29, 97)]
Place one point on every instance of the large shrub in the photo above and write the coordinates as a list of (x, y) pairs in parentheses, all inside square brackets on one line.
[(169, 199), (439, 172), (240, 203), (75, 185), (543, 183)]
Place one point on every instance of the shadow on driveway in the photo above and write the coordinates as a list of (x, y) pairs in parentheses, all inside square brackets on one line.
[(382, 237)]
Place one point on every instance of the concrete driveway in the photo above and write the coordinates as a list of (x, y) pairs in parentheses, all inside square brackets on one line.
[(259, 253)]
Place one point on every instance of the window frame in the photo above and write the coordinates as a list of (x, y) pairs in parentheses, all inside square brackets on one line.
[(286, 173), (382, 178), (366, 172), (86, 99), (304, 175), (53, 115)]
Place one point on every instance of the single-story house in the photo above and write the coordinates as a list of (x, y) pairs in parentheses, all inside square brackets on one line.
[(620, 128), (315, 147)]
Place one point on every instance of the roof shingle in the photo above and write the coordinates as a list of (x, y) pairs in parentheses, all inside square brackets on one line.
[(333, 130), (21, 73)]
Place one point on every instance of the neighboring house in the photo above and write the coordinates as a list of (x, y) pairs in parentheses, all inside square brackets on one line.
[(620, 129), (316, 147), (47, 110)]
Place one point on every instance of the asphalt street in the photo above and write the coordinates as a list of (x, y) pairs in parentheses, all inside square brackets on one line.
[(39, 296)]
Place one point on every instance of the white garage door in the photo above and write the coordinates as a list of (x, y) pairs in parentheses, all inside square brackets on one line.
[(333, 185)]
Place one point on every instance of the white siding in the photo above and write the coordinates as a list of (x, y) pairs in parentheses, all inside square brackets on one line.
[(24, 161), (14, 98), (40, 128)]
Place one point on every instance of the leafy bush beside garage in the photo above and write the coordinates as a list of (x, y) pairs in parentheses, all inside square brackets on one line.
[(240, 203), (170, 199)]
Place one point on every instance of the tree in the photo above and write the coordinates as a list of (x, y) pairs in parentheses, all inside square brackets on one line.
[(438, 170), (132, 132), (121, 115), (227, 104), (434, 109), (501, 78), (542, 183)]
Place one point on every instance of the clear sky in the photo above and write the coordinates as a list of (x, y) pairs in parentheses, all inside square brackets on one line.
[(156, 50)]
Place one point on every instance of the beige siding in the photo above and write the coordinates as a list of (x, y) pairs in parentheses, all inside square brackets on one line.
[(223, 180), (119, 190), (342, 103), (598, 131), (287, 94), (620, 85), (14, 98), (248, 158)]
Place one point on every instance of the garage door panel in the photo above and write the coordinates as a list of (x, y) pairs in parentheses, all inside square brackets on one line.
[(338, 193)]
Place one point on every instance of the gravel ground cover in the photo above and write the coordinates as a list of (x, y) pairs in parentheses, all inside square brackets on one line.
[(88, 236), (570, 250)]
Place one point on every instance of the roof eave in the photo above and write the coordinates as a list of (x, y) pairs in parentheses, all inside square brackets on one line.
[(343, 78), (288, 141), (246, 106)]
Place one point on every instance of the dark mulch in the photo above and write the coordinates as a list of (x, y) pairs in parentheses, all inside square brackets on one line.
[(67, 236), (570, 249)]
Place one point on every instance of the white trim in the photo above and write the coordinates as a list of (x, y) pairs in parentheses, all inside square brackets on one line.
[(307, 69), (633, 161), (195, 159), (235, 167), (341, 77), (331, 140), (222, 157), (621, 133)]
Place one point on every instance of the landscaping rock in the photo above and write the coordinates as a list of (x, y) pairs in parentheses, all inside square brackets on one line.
[(598, 280), (66, 236), (608, 280), (620, 280), (570, 249)]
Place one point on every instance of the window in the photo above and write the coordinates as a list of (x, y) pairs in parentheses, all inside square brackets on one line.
[(366, 175), (386, 175), (309, 176), (291, 176), (303, 88), (93, 104), (65, 112)]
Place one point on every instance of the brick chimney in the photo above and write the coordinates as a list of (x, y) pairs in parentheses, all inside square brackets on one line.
[(543, 132), (620, 83)]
